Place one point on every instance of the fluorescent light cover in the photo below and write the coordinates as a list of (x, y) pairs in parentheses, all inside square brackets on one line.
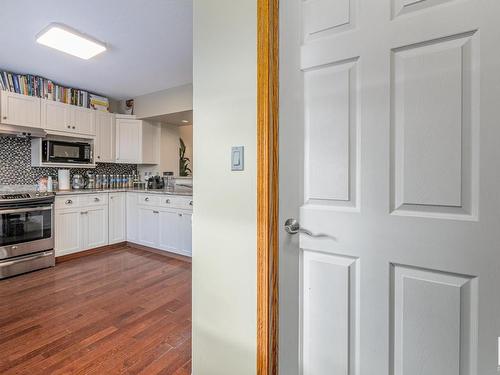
[(67, 40)]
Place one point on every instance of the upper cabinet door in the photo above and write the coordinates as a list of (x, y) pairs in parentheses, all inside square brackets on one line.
[(105, 137), (83, 121), (128, 141), (20, 110), (55, 116)]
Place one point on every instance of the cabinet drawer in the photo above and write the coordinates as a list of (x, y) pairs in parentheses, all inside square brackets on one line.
[(148, 199), (67, 201), (177, 202), (94, 199)]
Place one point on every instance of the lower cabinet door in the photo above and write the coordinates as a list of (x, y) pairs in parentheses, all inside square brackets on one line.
[(148, 226), (117, 213), (186, 232), (68, 232), (132, 218), (169, 231), (96, 226)]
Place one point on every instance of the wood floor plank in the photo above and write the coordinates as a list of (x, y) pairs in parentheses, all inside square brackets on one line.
[(123, 311)]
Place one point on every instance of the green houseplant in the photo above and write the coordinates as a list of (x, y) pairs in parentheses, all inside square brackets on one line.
[(184, 169)]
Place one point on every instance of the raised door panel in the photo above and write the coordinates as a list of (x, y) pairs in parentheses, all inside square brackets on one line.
[(105, 137), (132, 221), (148, 227), (323, 17), (68, 232), (55, 116), (400, 7), (170, 231), (434, 322), (83, 121), (20, 110), (96, 227), (434, 123), (329, 314), (128, 141), (117, 217), (331, 134)]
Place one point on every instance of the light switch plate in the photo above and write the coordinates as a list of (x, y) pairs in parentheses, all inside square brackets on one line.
[(237, 158)]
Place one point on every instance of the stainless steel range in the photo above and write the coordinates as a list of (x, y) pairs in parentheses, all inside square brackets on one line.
[(26, 232)]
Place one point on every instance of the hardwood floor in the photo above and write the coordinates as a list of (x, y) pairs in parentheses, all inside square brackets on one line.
[(126, 311)]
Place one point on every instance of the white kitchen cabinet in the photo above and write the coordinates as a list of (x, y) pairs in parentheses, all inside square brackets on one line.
[(117, 217), (95, 224), (19, 110), (81, 223), (148, 226), (164, 222), (186, 233), (104, 145), (67, 119), (170, 236), (68, 230), (137, 141), (132, 217)]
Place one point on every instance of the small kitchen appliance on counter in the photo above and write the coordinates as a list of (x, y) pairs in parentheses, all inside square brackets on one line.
[(78, 182), (26, 232), (63, 178)]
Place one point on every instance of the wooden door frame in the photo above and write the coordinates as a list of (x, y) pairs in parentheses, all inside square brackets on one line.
[(267, 186)]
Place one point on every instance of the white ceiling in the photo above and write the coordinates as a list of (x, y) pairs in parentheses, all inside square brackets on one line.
[(149, 43)]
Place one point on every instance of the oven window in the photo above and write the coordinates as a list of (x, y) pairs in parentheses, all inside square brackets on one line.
[(62, 151), (25, 226)]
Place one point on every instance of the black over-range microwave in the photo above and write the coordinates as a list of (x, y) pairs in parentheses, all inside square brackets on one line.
[(66, 152)]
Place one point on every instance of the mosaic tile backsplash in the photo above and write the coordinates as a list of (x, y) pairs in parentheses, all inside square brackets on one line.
[(16, 169)]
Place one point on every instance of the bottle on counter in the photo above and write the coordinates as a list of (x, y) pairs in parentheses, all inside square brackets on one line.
[(104, 181), (98, 181), (112, 181), (50, 184)]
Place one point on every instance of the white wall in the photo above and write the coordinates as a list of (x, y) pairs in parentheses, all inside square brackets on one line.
[(175, 99), (224, 222)]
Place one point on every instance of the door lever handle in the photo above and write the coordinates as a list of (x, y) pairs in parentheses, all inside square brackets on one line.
[(292, 226)]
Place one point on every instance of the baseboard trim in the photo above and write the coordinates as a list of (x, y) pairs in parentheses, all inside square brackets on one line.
[(85, 253), (164, 253)]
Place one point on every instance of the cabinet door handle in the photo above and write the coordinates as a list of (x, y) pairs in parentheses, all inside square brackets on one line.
[(98, 157), (191, 203), (84, 212), (146, 199), (96, 199), (5, 117), (156, 212), (69, 201), (180, 214), (167, 201), (69, 126), (73, 127)]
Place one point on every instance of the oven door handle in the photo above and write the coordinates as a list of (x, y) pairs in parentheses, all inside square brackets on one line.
[(25, 209), (26, 258)]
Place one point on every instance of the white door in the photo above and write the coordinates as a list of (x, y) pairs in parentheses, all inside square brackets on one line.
[(68, 230), (21, 110), (128, 141), (56, 116), (105, 137), (132, 217), (83, 121), (169, 233), (186, 233), (117, 217), (389, 144), (148, 227), (95, 227)]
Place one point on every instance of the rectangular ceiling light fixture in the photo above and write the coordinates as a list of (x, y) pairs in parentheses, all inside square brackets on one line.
[(68, 40)]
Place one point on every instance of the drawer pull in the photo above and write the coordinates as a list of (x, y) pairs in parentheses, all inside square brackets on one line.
[(69, 201), (180, 214), (191, 203), (167, 201), (146, 199), (156, 212), (96, 199)]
